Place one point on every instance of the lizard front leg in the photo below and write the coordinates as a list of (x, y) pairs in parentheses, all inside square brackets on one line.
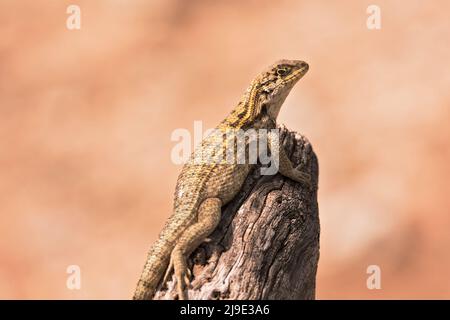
[(208, 217), (285, 166)]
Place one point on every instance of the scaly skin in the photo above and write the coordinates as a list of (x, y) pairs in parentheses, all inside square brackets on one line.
[(207, 182)]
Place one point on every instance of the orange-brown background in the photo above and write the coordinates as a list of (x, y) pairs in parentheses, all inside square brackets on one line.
[(86, 118)]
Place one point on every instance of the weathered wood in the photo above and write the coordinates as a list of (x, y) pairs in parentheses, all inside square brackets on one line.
[(267, 243)]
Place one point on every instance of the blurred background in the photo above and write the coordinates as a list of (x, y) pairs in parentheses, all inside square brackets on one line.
[(86, 118)]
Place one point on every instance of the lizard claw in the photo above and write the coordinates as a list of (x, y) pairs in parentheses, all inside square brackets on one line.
[(182, 274), (189, 273)]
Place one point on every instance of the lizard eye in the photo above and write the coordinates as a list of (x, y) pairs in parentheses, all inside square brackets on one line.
[(282, 71)]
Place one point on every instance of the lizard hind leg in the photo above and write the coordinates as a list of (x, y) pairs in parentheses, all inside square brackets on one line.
[(209, 214)]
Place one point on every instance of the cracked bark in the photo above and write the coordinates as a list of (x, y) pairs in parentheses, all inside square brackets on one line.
[(267, 243)]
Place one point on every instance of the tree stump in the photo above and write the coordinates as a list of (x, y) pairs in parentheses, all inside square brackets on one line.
[(267, 243)]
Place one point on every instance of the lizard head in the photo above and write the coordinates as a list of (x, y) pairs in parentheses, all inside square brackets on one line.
[(273, 85), (267, 92)]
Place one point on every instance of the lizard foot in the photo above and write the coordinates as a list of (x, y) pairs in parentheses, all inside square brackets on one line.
[(182, 274), (301, 177)]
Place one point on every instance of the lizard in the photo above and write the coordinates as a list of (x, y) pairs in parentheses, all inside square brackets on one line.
[(204, 187)]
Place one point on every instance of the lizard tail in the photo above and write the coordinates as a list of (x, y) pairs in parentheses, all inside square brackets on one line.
[(154, 269)]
